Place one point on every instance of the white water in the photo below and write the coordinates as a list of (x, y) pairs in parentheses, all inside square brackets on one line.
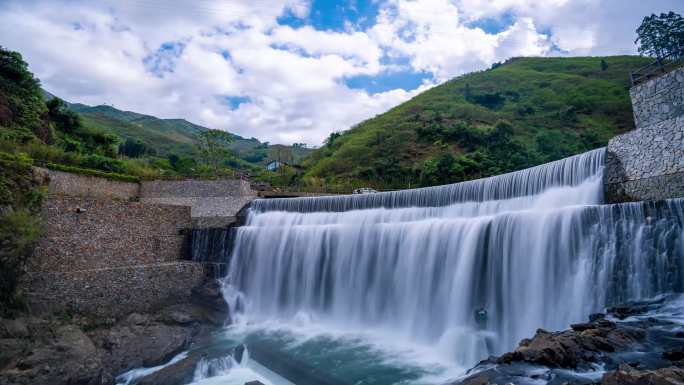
[(461, 271), (131, 376)]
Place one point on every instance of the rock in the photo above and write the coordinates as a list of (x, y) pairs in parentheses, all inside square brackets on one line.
[(571, 348), (137, 319), (582, 326), (596, 316), (10, 350), (634, 308), (626, 375), (68, 358), (13, 328), (209, 294), (126, 346), (254, 383), (180, 373), (674, 355), (183, 371)]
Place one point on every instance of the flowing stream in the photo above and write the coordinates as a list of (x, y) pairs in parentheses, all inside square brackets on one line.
[(419, 285)]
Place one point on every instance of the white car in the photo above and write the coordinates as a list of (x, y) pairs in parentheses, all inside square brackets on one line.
[(364, 190)]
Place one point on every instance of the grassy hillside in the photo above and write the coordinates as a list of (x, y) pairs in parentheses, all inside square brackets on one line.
[(176, 136), (523, 112)]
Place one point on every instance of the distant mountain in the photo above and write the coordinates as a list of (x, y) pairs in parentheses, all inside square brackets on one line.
[(172, 136), (517, 114)]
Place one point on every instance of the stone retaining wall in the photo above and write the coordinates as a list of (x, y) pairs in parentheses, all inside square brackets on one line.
[(659, 99), (194, 188), (648, 163), (216, 201), (108, 258), (113, 292), (84, 233), (64, 183)]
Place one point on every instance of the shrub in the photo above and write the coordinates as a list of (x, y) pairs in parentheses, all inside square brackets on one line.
[(19, 233), (21, 199)]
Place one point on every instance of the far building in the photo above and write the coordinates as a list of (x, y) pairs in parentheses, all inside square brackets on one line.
[(275, 165)]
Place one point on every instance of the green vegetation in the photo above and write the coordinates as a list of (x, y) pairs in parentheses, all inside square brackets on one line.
[(520, 113), (122, 145), (21, 197), (661, 36)]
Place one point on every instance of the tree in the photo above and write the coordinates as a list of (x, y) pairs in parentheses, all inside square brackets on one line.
[(604, 65), (661, 36), (21, 99), (64, 119), (213, 146), (331, 139), (133, 148)]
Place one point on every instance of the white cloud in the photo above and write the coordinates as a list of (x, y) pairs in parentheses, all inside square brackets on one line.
[(435, 36), (183, 59)]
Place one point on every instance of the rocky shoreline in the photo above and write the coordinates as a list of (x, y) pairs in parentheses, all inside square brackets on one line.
[(633, 344), (80, 351)]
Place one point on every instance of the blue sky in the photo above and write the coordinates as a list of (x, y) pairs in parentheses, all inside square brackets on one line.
[(289, 71)]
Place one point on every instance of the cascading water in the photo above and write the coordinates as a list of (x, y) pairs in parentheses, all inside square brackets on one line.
[(471, 268)]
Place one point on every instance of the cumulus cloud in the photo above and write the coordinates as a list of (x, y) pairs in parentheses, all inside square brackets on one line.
[(435, 35), (236, 65)]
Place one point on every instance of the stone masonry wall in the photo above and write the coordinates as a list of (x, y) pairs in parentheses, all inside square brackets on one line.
[(659, 99), (64, 183), (109, 257), (648, 163), (84, 233), (215, 202), (113, 292)]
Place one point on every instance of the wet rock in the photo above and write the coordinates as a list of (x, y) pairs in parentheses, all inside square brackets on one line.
[(183, 371), (571, 348), (674, 355), (634, 308), (626, 375), (582, 326), (68, 358), (571, 356), (209, 296), (129, 345)]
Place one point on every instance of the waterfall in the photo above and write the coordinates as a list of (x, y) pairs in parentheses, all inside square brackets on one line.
[(471, 268), (566, 172)]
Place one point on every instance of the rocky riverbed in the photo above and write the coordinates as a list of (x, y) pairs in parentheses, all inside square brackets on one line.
[(79, 351), (633, 344)]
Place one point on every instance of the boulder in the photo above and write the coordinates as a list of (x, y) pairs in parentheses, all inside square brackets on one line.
[(583, 344), (183, 371), (68, 358), (626, 375), (129, 345), (209, 296)]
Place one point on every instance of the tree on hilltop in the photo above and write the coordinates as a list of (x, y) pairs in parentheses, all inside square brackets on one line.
[(661, 36)]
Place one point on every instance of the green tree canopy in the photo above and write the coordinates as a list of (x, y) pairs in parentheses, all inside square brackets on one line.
[(661, 36), (21, 100), (133, 148), (214, 147)]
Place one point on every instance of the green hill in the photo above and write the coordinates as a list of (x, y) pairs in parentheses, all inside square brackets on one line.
[(521, 113), (173, 136)]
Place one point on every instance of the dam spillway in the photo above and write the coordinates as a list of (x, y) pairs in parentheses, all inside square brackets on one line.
[(467, 269)]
